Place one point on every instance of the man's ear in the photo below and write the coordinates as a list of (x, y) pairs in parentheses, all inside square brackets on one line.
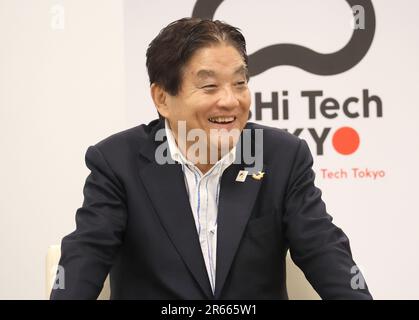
[(159, 96)]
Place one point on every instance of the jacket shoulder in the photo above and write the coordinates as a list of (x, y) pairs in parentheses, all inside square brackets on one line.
[(131, 138)]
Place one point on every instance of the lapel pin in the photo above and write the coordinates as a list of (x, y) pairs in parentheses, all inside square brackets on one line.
[(241, 177), (258, 176)]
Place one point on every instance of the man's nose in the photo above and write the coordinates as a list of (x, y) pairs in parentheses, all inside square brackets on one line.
[(228, 98)]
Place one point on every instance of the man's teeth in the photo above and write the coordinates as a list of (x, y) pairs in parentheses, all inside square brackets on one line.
[(221, 119)]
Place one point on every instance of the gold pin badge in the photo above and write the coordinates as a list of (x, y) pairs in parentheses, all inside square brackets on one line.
[(258, 176), (241, 177)]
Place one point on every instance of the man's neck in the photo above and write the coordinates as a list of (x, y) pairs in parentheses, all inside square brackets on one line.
[(209, 157)]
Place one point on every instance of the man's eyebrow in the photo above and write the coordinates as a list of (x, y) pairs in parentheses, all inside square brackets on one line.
[(241, 70), (204, 73)]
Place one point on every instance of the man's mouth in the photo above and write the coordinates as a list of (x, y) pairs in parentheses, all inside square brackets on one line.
[(222, 120)]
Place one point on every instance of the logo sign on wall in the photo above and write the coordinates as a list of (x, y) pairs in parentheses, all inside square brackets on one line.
[(343, 76), (344, 140)]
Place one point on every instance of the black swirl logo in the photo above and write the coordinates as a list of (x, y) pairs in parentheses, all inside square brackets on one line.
[(302, 57)]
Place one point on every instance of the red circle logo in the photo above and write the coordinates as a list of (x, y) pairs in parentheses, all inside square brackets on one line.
[(346, 140)]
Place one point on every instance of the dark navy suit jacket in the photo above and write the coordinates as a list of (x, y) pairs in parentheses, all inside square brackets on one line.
[(136, 223)]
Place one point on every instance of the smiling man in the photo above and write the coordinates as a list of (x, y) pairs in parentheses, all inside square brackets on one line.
[(202, 225)]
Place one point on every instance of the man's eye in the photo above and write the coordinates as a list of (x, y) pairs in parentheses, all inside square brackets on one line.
[(210, 86), (241, 84)]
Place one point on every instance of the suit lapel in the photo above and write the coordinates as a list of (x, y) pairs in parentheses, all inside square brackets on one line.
[(166, 188), (236, 201)]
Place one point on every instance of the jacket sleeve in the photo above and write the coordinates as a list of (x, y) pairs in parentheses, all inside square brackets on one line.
[(87, 253), (318, 247)]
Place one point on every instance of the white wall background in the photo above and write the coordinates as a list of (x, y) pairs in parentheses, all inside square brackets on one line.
[(60, 91), (63, 90)]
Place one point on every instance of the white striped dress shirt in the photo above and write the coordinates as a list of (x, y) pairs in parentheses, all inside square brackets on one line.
[(203, 191)]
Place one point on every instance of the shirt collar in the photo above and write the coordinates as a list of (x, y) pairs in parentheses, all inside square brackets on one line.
[(178, 156)]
